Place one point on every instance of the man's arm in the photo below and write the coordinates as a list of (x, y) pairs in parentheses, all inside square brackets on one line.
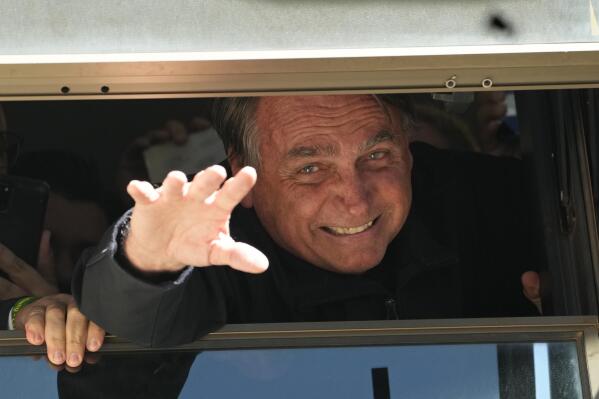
[(121, 284), (142, 308)]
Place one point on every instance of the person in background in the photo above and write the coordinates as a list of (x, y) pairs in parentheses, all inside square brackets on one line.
[(479, 127), (76, 218)]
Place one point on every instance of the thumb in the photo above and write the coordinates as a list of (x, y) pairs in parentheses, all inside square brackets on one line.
[(238, 255), (45, 261)]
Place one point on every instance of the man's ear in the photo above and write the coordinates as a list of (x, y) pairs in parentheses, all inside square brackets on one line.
[(248, 200)]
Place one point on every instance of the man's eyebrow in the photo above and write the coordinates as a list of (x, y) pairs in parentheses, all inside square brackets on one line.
[(310, 151), (378, 138)]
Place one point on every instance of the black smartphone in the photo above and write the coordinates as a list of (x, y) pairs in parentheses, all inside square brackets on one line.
[(23, 204)]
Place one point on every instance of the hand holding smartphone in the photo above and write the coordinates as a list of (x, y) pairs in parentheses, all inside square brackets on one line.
[(23, 204)]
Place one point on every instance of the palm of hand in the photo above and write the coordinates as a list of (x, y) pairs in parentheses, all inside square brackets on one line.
[(187, 223)]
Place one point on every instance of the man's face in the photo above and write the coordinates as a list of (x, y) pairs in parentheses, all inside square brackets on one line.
[(334, 183)]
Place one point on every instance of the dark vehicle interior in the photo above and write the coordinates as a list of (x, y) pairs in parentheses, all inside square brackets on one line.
[(552, 133)]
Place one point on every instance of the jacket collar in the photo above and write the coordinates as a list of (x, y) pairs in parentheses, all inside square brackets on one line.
[(412, 253)]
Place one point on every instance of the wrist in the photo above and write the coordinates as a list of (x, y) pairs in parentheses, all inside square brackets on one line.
[(17, 307), (140, 256)]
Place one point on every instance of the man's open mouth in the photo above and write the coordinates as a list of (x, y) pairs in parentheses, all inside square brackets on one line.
[(344, 231)]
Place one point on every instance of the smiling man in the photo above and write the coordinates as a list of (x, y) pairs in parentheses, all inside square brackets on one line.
[(334, 186), (325, 186)]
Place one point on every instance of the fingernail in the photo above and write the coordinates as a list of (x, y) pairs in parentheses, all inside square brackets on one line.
[(37, 338), (93, 345), (34, 338), (74, 359), (58, 357)]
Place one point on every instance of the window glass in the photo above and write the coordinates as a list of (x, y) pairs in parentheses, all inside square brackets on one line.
[(468, 371)]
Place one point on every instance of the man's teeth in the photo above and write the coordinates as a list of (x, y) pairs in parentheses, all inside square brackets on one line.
[(350, 230)]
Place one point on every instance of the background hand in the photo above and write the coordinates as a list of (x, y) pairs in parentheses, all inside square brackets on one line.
[(187, 223), (531, 287), (23, 279), (56, 321), (132, 165)]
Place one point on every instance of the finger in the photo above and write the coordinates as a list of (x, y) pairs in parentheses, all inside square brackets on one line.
[(45, 263), (235, 189), (531, 284), (76, 335), (95, 337), (10, 263), (55, 332), (206, 182), (142, 192), (238, 255), (178, 132), (23, 275), (32, 318), (173, 184), (10, 290)]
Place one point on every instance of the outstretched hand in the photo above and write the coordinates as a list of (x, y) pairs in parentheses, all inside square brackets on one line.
[(187, 223)]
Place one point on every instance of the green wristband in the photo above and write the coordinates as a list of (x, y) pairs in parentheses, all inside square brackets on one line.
[(20, 304)]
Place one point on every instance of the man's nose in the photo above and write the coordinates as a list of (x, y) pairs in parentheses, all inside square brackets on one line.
[(352, 193)]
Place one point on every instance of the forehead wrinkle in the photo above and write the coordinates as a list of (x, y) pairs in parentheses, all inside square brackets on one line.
[(331, 120), (350, 126), (306, 151), (295, 113)]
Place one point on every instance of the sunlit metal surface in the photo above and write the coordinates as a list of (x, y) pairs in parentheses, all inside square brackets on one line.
[(161, 75), (111, 26)]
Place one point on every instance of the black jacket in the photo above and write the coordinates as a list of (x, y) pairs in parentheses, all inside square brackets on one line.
[(460, 254)]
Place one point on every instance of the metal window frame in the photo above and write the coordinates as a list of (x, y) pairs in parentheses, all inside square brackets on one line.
[(579, 329), (184, 75), (211, 74)]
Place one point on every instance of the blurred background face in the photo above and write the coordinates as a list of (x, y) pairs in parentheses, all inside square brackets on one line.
[(334, 184)]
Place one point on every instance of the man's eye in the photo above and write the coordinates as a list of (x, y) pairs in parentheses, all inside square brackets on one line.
[(306, 170), (377, 155)]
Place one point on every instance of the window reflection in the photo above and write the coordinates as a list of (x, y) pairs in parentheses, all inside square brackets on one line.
[(511, 370)]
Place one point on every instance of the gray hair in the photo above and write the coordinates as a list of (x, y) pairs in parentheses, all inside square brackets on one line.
[(234, 118)]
